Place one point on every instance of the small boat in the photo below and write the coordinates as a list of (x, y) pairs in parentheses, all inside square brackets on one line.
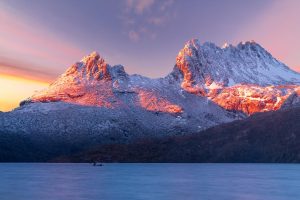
[(95, 164)]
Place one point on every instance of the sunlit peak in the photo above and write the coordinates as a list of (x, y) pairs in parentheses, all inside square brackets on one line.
[(225, 45)]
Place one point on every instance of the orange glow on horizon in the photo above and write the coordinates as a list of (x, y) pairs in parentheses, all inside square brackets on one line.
[(26, 74), (15, 89)]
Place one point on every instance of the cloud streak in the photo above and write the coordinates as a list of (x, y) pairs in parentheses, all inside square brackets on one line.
[(25, 41), (25, 70)]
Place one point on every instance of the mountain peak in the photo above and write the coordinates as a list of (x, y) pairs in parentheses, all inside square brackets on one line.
[(91, 67), (203, 65), (192, 43), (92, 56), (252, 45), (204, 69), (225, 45)]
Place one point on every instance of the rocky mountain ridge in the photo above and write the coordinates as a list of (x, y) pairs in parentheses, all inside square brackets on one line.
[(209, 85), (244, 77)]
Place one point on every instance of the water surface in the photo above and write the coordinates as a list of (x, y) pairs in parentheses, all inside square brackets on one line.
[(149, 181)]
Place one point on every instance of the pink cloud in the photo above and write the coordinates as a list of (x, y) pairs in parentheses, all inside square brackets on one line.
[(139, 6)]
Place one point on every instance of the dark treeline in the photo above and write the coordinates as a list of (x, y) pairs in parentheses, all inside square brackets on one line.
[(263, 137)]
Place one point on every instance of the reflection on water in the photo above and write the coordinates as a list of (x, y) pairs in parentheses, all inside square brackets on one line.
[(149, 181)]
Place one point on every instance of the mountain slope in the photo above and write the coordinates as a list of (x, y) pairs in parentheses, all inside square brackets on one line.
[(242, 78), (208, 86), (238, 78), (207, 65), (263, 137), (92, 82), (109, 100), (95, 104)]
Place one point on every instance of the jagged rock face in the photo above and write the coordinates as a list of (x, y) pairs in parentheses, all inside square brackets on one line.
[(93, 82), (157, 105), (208, 65), (88, 82), (91, 67), (252, 98), (245, 78), (238, 78), (209, 85)]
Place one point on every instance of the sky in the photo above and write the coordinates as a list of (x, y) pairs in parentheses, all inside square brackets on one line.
[(40, 39)]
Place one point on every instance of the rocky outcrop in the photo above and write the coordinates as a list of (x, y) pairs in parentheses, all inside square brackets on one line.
[(253, 98), (207, 65), (95, 98), (208, 86), (242, 78)]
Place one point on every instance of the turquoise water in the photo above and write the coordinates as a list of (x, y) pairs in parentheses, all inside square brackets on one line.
[(149, 181)]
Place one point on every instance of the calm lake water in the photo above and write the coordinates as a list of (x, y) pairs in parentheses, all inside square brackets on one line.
[(149, 181)]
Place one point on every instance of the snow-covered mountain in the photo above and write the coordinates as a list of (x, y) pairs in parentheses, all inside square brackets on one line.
[(209, 85), (210, 66), (93, 82), (244, 77)]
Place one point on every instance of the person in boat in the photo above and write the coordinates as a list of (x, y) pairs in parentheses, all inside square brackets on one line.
[(95, 163)]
